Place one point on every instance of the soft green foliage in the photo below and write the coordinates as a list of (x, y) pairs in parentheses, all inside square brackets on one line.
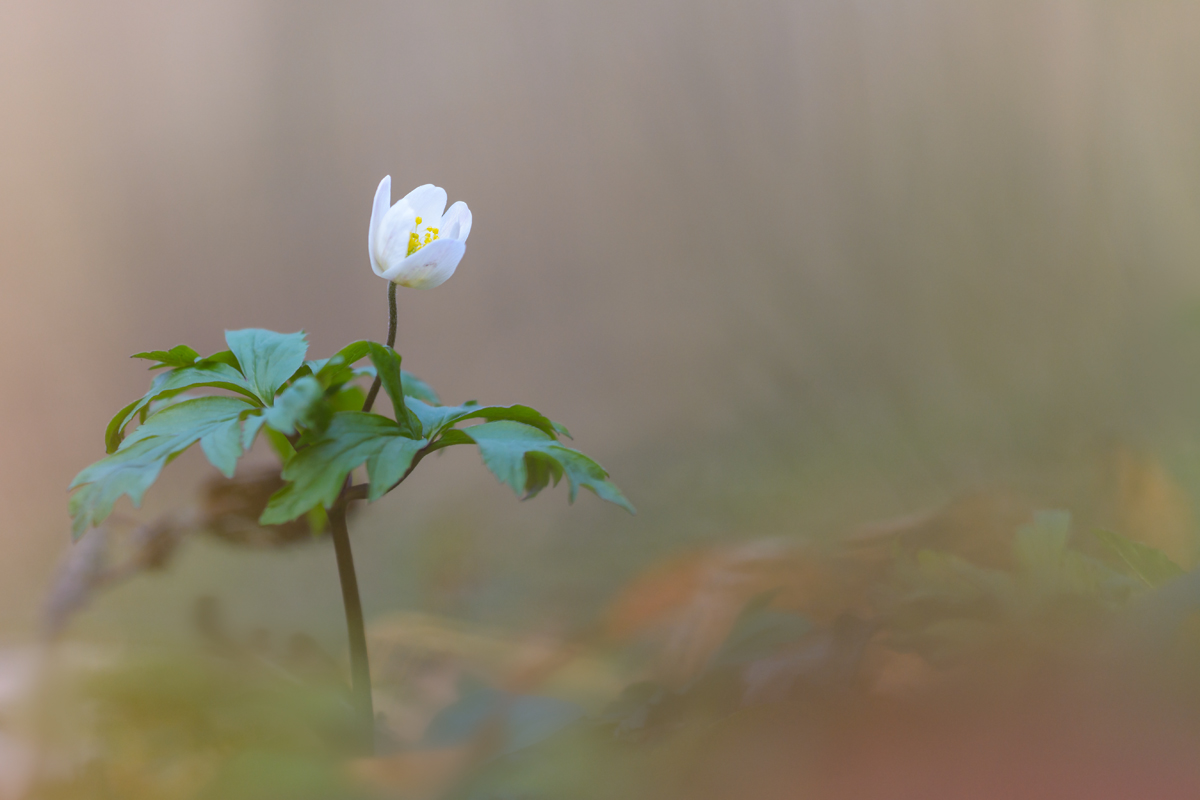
[(299, 406), (527, 458), (317, 473), (215, 422), (415, 387), (268, 359), (312, 414), (387, 367), (1151, 565), (435, 419), (209, 373), (178, 356)]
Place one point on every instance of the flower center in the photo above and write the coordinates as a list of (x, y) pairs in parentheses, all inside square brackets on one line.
[(415, 242)]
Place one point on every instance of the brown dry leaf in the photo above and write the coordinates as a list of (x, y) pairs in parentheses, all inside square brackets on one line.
[(1151, 506), (688, 605), (977, 526)]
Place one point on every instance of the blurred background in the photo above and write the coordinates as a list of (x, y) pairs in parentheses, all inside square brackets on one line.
[(786, 269)]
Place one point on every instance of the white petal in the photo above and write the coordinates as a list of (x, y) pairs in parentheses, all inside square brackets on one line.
[(427, 201), (383, 199), (391, 244), (456, 222), (430, 266)]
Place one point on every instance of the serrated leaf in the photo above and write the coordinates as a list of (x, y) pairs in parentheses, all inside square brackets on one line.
[(540, 470), (178, 356), (317, 473), (268, 359), (301, 404), (215, 422), (207, 373), (505, 444), (435, 419), (130, 471), (1152, 566)]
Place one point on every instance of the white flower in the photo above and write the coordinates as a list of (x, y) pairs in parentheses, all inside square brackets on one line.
[(413, 243)]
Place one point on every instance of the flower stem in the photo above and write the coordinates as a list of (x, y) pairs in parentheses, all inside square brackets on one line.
[(360, 668), (360, 665), (391, 342)]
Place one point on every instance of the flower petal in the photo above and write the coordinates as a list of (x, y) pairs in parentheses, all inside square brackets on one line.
[(430, 266), (427, 201), (456, 222), (391, 243), (383, 199)]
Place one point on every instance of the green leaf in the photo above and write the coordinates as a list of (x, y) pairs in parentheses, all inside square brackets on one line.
[(178, 356), (116, 426), (388, 466), (268, 359), (435, 419), (207, 373), (215, 422), (301, 404), (317, 473), (281, 445), (505, 446), (223, 357), (130, 471), (387, 366), (540, 469), (1151, 565), (339, 369), (348, 398), (415, 387)]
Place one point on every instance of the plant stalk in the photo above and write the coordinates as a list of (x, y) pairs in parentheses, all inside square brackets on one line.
[(360, 667), (391, 342)]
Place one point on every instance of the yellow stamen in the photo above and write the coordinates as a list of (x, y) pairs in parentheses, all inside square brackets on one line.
[(414, 238)]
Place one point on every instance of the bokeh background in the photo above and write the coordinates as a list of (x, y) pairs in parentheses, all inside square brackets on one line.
[(785, 268)]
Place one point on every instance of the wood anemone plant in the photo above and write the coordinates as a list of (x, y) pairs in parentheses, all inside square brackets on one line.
[(323, 426)]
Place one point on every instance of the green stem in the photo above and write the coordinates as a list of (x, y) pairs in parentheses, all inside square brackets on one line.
[(360, 667), (391, 342)]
